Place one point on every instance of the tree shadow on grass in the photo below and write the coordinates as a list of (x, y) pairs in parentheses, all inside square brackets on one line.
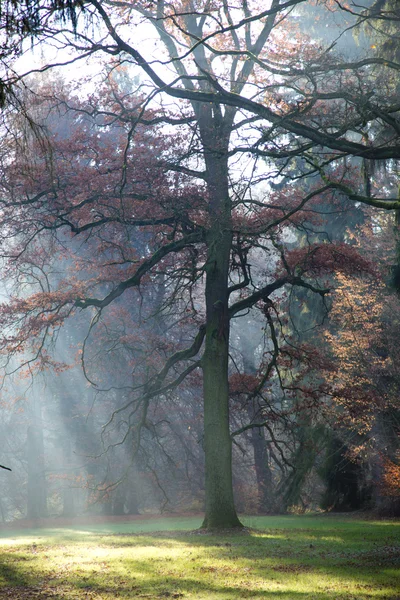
[(263, 565), (13, 574), (367, 567), (17, 583), (368, 550), (181, 587)]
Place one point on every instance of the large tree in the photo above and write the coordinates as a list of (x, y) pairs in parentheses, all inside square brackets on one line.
[(254, 99)]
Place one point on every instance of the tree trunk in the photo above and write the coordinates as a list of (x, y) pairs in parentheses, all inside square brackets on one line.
[(263, 472), (132, 502), (37, 498), (260, 448), (118, 505), (67, 492), (67, 406), (220, 508)]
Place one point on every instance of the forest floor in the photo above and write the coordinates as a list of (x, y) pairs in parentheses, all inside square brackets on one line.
[(273, 558)]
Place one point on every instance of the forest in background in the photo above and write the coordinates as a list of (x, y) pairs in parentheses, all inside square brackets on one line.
[(231, 240)]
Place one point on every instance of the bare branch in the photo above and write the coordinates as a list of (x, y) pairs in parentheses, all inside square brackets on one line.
[(144, 268)]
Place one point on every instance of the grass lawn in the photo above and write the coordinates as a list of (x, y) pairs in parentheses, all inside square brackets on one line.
[(280, 558)]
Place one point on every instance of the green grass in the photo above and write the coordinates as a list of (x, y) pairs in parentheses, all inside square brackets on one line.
[(282, 558)]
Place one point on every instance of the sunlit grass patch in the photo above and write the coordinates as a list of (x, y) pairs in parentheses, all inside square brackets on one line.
[(296, 558)]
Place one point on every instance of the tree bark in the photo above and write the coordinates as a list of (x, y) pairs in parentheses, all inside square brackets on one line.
[(220, 509)]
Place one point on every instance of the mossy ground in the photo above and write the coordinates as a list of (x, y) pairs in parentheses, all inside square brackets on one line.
[(279, 558)]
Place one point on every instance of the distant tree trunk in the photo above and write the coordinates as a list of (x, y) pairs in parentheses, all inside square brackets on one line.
[(67, 406), (132, 501), (125, 499), (37, 493), (3, 517), (309, 440), (67, 492), (107, 507), (131, 492), (263, 471), (342, 478), (260, 449), (118, 505)]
